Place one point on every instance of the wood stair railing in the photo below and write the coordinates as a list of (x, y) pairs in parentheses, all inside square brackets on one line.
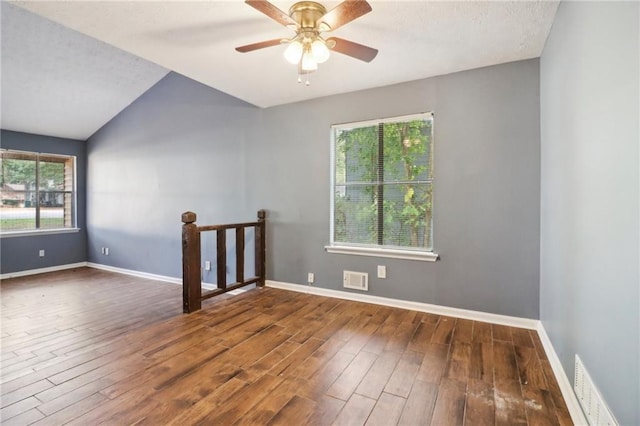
[(192, 294)]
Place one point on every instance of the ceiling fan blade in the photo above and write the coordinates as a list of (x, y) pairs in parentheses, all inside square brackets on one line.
[(260, 45), (272, 12), (355, 50), (343, 13)]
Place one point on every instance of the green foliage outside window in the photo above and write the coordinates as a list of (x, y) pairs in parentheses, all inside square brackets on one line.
[(383, 184)]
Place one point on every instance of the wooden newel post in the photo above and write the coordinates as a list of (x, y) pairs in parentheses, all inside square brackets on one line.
[(191, 282), (261, 248)]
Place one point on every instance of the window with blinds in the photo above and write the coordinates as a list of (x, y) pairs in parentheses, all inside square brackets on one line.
[(383, 183), (37, 191)]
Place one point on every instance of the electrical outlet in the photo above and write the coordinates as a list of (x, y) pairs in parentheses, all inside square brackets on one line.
[(207, 265), (41, 253), (382, 271), (310, 277), (106, 251), (102, 250)]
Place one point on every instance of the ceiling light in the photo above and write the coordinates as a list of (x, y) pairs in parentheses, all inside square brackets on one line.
[(308, 62), (320, 51), (293, 52)]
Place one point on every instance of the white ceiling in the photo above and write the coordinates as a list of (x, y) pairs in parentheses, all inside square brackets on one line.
[(416, 39)]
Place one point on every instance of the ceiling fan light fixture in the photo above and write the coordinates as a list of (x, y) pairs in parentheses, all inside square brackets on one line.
[(308, 63), (320, 51), (293, 52), (309, 19)]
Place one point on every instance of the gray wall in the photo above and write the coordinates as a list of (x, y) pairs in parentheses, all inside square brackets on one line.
[(183, 146), (486, 201), (21, 253), (589, 291), (180, 146)]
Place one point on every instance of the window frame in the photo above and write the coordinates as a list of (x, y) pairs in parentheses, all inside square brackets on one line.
[(74, 197), (366, 249)]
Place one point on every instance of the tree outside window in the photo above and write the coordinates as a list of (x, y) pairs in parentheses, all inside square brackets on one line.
[(383, 183)]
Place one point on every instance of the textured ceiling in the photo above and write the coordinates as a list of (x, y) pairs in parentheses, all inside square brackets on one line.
[(416, 39), (58, 82)]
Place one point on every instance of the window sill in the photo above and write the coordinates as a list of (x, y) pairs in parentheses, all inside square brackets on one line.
[(34, 232), (378, 252)]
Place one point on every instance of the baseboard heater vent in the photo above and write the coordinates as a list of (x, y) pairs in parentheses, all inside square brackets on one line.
[(590, 399), (355, 280)]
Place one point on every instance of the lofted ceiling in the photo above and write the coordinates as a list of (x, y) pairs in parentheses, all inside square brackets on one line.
[(416, 39), (58, 82)]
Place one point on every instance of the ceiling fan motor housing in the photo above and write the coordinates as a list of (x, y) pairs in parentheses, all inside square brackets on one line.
[(307, 13)]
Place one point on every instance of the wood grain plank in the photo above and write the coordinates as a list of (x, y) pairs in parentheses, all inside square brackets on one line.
[(326, 410), (356, 411), (419, 406), (481, 364), (459, 362), (463, 332), (404, 375), (482, 332), (479, 407), (509, 403), (378, 375), (504, 358), (444, 330), (387, 410), (350, 378), (501, 332), (434, 363), (449, 408), (297, 411)]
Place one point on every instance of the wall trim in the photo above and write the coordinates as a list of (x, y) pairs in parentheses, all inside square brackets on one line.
[(531, 324), (563, 381), (155, 277), (139, 274), (42, 270)]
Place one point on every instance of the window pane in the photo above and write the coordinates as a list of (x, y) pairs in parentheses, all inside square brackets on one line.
[(51, 176), (355, 214), (14, 216), (356, 153), (407, 215), (51, 217), (406, 151)]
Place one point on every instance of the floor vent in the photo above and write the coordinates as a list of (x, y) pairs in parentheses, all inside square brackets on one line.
[(590, 399), (355, 280)]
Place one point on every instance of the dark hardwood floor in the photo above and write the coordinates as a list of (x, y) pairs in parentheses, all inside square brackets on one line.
[(88, 347)]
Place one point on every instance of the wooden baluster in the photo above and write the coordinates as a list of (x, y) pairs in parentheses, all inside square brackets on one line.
[(261, 247), (239, 254), (191, 278), (222, 258)]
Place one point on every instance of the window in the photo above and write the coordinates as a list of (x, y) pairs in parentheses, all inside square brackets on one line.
[(382, 188), (38, 191)]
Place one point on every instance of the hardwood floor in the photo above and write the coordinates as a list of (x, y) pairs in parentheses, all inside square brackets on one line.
[(87, 347)]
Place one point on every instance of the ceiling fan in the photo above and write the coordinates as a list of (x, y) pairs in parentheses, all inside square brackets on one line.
[(309, 20)]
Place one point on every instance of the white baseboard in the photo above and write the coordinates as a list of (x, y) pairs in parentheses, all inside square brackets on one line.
[(155, 277), (566, 388), (563, 381), (531, 324), (163, 278), (41, 270)]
